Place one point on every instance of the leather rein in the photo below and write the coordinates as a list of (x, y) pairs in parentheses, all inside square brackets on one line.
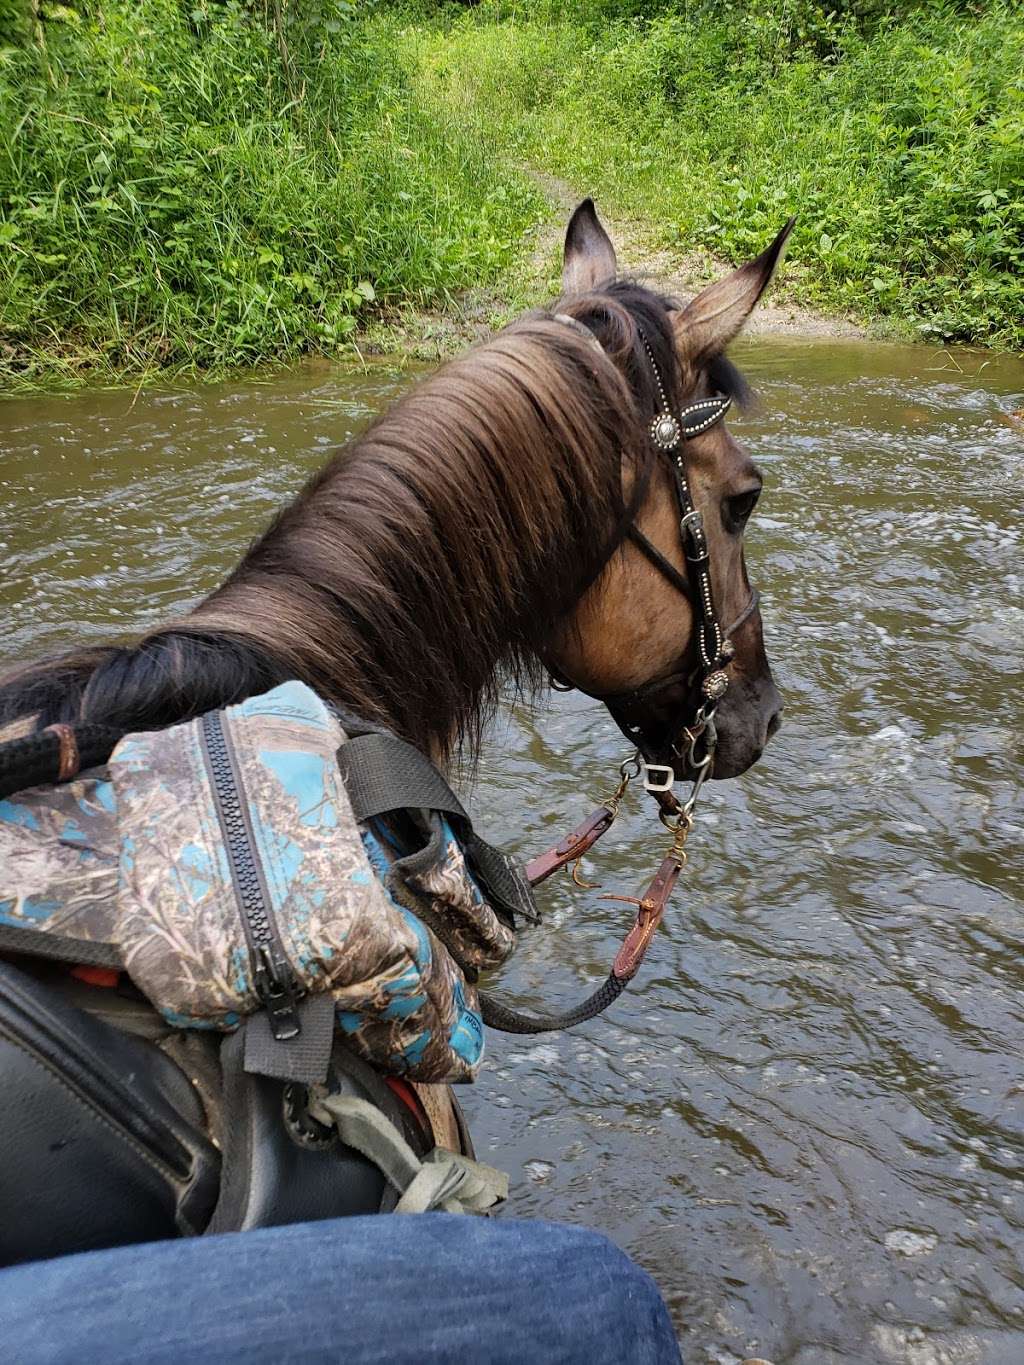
[(691, 737)]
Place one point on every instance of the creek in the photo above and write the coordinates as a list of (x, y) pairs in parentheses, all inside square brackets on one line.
[(806, 1116)]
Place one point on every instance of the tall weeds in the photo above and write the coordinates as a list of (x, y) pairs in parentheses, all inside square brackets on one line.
[(898, 143), (212, 183), (177, 191)]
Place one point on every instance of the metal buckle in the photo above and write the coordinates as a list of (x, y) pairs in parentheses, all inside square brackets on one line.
[(697, 519), (663, 784)]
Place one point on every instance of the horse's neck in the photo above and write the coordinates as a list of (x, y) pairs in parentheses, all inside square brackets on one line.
[(443, 546)]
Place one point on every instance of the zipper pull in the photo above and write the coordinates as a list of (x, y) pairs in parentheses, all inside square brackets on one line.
[(280, 997)]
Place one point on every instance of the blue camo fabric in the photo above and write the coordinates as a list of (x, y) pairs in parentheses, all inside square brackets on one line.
[(134, 855)]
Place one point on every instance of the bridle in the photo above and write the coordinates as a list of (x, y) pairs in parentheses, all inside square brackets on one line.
[(690, 734), (704, 685)]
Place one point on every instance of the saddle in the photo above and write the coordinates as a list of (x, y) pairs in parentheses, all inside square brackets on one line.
[(118, 1129), (181, 1096)]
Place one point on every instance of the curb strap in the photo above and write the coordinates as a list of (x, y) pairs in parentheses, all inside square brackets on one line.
[(626, 708)]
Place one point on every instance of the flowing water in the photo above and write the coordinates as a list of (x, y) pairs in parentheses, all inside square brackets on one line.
[(807, 1116)]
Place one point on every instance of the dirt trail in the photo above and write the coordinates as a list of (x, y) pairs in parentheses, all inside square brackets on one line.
[(435, 334)]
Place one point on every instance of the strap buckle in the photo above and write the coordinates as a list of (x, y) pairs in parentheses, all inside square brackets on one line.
[(662, 783), (695, 541)]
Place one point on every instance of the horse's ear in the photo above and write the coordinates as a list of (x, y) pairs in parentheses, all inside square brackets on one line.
[(710, 321), (589, 257)]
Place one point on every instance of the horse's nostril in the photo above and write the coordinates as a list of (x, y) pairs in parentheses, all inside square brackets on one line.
[(774, 723)]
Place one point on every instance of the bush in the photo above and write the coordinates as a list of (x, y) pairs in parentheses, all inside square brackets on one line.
[(901, 149), (207, 183), (193, 185)]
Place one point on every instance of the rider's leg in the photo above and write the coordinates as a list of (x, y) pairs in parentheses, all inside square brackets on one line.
[(399, 1290)]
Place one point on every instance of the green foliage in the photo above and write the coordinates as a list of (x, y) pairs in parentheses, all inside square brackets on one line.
[(899, 145), (209, 184)]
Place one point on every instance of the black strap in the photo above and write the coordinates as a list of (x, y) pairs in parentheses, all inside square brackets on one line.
[(383, 773), (509, 1020), (39, 943), (306, 1057), (502, 880), (661, 562), (34, 760)]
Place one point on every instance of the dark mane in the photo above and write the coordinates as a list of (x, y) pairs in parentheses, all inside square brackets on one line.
[(725, 378), (430, 560)]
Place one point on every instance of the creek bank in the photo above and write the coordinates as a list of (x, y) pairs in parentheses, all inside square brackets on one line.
[(435, 334)]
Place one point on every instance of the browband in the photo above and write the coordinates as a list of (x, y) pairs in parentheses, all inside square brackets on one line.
[(666, 431)]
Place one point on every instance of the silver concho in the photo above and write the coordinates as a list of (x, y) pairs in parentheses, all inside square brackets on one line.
[(715, 685), (665, 431)]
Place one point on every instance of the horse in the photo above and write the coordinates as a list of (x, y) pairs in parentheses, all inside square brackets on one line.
[(476, 534), (525, 513)]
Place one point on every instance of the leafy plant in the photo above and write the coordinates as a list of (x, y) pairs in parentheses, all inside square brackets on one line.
[(898, 143), (174, 193)]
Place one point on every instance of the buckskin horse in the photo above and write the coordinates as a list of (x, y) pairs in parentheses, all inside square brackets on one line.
[(564, 500)]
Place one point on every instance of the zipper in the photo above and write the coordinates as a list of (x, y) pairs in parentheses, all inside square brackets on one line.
[(275, 982)]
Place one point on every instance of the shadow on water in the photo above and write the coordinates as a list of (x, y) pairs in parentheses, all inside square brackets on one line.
[(807, 1117)]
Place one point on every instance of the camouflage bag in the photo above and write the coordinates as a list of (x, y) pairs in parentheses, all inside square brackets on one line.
[(222, 860)]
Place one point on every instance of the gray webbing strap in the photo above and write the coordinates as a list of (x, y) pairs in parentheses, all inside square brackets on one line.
[(443, 1180), (383, 773), (305, 1057), (37, 943)]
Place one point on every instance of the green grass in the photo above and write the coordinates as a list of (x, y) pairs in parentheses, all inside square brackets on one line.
[(899, 145), (190, 184), (173, 194)]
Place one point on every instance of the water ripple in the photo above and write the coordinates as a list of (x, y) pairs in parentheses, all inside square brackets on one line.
[(807, 1116)]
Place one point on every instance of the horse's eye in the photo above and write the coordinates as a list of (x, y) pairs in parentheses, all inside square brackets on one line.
[(736, 510)]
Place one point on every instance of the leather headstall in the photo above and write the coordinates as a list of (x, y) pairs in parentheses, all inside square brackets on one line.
[(689, 695)]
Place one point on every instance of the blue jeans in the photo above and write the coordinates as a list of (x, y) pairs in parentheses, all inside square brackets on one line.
[(389, 1289)]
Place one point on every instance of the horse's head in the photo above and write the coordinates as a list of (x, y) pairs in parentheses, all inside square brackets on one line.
[(635, 640)]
